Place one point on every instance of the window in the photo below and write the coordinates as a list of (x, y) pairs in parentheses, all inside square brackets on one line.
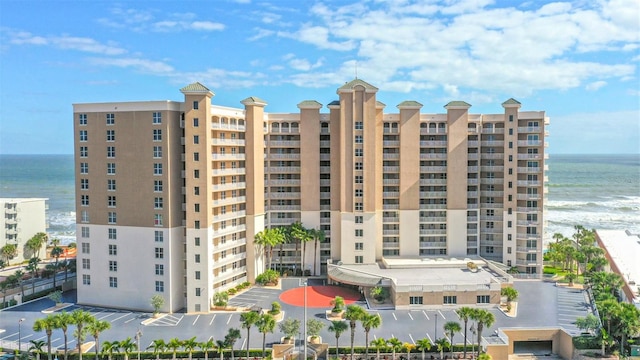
[(359, 246), (359, 166), (159, 286), (159, 269), (196, 122), (359, 206), (359, 219), (197, 241), (157, 219), (157, 169), (359, 179), (85, 231), (358, 125), (197, 258), (83, 135), (196, 156), (86, 264), (196, 190), (198, 292), (196, 174), (359, 259), (111, 184), (358, 152), (509, 250), (111, 152), (482, 299), (84, 168), (111, 217), (157, 118), (159, 236), (489, 249), (359, 139), (196, 139), (111, 135), (157, 185), (113, 281), (113, 233), (84, 215), (157, 135), (111, 201), (450, 299), (86, 248), (196, 224), (159, 253), (84, 151), (111, 119), (510, 117), (84, 200), (86, 279), (509, 224), (113, 249), (196, 207), (359, 232), (197, 275), (158, 203), (84, 184), (82, 119), (415, 300), (111, 168), (510, 144), (157, 152), (359, 192), (113, 265), (195, 105)]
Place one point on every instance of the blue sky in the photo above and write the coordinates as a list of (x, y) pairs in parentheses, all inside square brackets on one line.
[(578, 60)]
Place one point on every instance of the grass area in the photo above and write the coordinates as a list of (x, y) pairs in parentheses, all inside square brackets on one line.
[(561, 273)]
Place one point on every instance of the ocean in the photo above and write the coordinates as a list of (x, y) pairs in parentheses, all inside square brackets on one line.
[(596, 191)]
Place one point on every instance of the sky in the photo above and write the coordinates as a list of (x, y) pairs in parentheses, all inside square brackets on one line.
[(576, 60)]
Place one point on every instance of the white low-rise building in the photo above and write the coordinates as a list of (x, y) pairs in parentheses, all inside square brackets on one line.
[(622, 250), (21, 219)]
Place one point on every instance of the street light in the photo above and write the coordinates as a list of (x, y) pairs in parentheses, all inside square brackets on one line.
[(20, 334), (305, 319), (138, 336), (435, 329)]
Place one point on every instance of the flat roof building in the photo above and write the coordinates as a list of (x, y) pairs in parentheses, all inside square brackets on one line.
[(622, 250), (174, 192), (21, 219)]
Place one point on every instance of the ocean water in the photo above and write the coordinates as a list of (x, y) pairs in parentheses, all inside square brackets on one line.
[(596, 191)]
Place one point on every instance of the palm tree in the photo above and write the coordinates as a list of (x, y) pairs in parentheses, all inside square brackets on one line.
[(128, 346), (47, 325), (266, 324), (423, 345), (56, 252), (628, 323), (379, 344), (465, 313), (269, 238), (301, 235), (33, 269), (188, 345), (109, 347), (220, 345), (18, 276), (205, 346), (337, 327), (174, 344), (353, 313), (63, 320), (158, 346), (608, 310), (37, 346), (248, 319), (80, 319), (369, 321), (395, 345), (95, 328), (408, 347), (482, 318), (232, 336), (318, 236), (451, 327), (441, 344)]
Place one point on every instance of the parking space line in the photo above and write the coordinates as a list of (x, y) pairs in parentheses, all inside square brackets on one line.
[(9, 336), (413, 341), (425, 314), (194, 321), (130, 320), (394, 315), (213, 318), (429, 337), (410, 316), (116, 319), (229, 320), (441, 314)]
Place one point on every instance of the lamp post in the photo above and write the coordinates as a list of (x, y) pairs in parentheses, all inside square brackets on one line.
[(138, 336), (473, 331), (305, 319), (435, 329), (20, 334)]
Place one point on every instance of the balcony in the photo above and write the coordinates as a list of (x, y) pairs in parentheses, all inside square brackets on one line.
[(284, 207), (229, 216), (231, 229), (496, 143), (529, 196), (530, 129), (493, 130), (424, 156), (433, 181), (525, 262), (433, 219), (432, 143), (390, 143), (433, 232), (325, 220), (390, 194), (471, 181), (389, 219), (391, 181), (529, 183), (492, 168), (284, 182), (494, 156), (283, 221), (285, 169), (491, 218), (325, 143), (237, 171), (433, 194), (217, 125), (433, 244), (530, 156), (526, 249), (229, 259), (492, 205), (284, 195), (284, 143), (525, 236), (391, 169), (472, 144), (527, 223), (529, 170), (391, 156), (472, 169), (433, 206), (433, 169), (391, 232), (473, 156), (530, 142), (529, 209), (472, 194), (325, 156), (228, 142), (491, 180), (289, 156), (472, 219), (289, 130), (228, 245), (493, 193), (229, 186), (325, 169), (229, 201), (391, 206), (425, 131)]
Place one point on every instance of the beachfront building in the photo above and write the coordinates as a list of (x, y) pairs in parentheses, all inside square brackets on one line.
[(21, 219), (622, 251), (174, 192)]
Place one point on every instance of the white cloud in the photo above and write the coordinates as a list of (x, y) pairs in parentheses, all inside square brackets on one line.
[(150, 66), (261, 33), (595, 85), (65, 42), (304, 64), (206, 26), (144, 20)]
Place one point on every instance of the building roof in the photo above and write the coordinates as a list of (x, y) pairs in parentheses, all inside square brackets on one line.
[(309, 104), (623, 248), (512, 101), (348, 87), (253, 100), (195, 87), (457, 104), (410, 104)]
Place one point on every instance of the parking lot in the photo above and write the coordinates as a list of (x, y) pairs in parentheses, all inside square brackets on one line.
[(540, 304)]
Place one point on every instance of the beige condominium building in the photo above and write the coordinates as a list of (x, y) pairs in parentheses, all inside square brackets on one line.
[(170, 194)]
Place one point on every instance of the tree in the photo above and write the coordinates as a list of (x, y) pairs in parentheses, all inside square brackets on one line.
[(289, 327), (157, 302), (56, 252), (8, 252), (80, 319), (482, 318), (452, 327), (379, 344), (484, 356), (221, 299), (220, 346), (395, 345), (314, 327), (441, 344), (158, 346), (127, 346), (318, 236), (34, 245), (510, 293), (63, 320), (588, 323), (301, 234), (628, 323), (408, 348), (188, 345), (232, 336), (109, 347), (47, 325), (4, 286), (337, 327), (174, 344), (337, 303), (205, 346), (265, 324), (465, 313), (33, 269), (269, 238), (369, 321), (424, 345), (608, 310), (248, 319), (18, 277), (37, 347), (353, 313)]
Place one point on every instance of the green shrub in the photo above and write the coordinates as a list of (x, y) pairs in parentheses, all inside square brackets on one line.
[(275, 308), (232, 291), (586, 342), (268, 277)]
